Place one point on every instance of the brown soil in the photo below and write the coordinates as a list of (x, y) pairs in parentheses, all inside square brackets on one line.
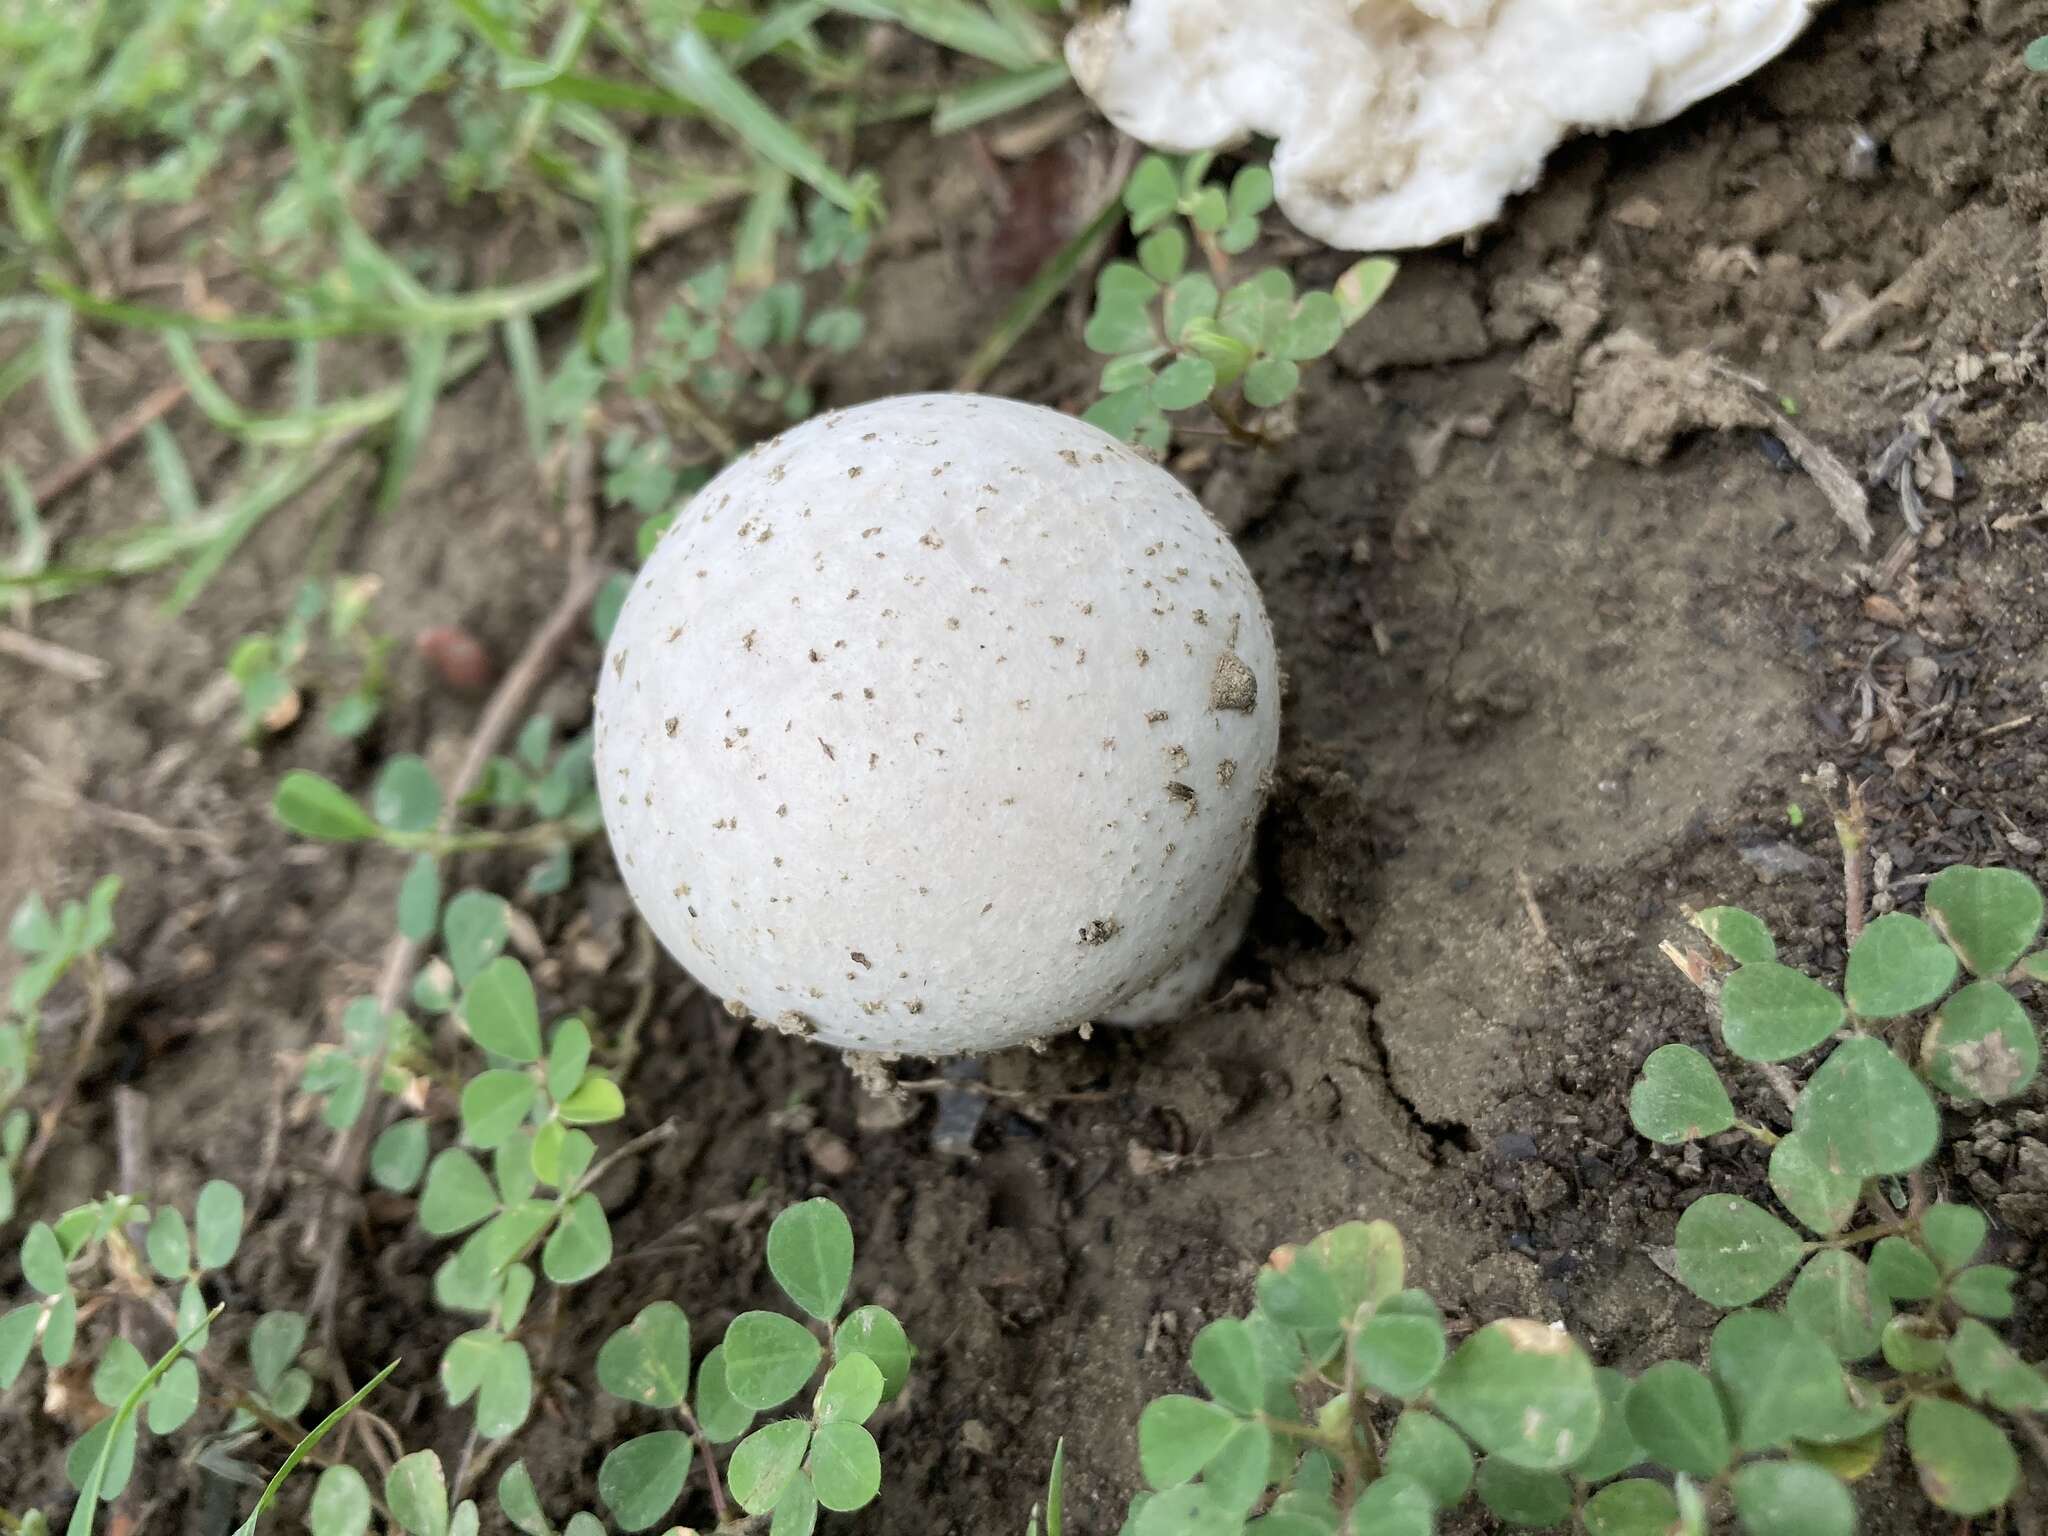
[(1564, 627)]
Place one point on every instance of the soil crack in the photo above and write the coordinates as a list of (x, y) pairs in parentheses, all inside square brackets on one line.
[(1444, 1136)]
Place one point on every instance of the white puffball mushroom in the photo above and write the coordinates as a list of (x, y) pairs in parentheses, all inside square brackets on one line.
[(1402, 123), (939, 725)]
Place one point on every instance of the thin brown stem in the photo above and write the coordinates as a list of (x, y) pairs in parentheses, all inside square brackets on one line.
[(1917, 1195), (718, 1504), (60, 660), (95, 978), (2036, 1435), (44, 784), (1852, 830), (1869, 1234), (666, 1131)]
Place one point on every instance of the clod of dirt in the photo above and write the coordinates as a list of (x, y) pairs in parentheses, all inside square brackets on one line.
[(940, 725), (1634, 402), (1406, 122)]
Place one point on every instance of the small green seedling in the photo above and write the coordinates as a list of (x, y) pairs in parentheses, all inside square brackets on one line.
[(50, 946), (1181, 329), (85, 1258), (1054, 1509), (273, 672)]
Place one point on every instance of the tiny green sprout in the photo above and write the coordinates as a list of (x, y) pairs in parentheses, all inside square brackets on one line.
[(51, 946), (342, 657), (1795, 815), (1180, 333), (1055, 1505), (2036, 55)]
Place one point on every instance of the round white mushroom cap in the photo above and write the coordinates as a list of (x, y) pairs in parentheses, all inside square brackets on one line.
[(1402, 123), (939, 725)]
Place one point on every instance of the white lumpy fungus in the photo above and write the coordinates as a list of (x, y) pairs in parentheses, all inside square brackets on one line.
[(1402, 123), (940, 725)]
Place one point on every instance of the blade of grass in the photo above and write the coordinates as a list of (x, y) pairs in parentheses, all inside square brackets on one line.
[(60, 384), (152, 546), (516, 74), (442, 312), (615, 210), (985, 99), (305, 366), (299, 428), (240, 516), (489, 28), (1046, 285), (173, 476), (20, 371), (788, 24), (290, 431), (957, 25), (617, 96), (32, 539), (562, 56), (305, 1447), (1056, 1491), (245, 512), (455, 313), (1025, 21), (699, 73), (86, 1511), (425, 355), (63, 162), (522, 351), (26, 210), (760, 229)]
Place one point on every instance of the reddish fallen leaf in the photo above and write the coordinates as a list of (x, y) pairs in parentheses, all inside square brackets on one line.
[(457, 657)]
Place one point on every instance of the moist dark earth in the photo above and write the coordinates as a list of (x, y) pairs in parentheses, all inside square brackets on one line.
[(1568, 631)]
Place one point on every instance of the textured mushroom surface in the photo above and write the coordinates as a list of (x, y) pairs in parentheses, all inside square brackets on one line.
[(938, 725), (1402, 123)]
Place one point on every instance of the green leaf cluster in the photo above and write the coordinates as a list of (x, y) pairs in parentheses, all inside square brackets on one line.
[(1180, 328), (1887, 1322), (72, 1260), (792, 1467)]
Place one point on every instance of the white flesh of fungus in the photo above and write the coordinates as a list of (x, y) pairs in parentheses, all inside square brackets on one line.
[(939, 725), (1402, 123)]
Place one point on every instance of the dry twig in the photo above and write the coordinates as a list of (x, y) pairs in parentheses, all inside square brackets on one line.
[(60, 660), (153, 407), (45, 785)]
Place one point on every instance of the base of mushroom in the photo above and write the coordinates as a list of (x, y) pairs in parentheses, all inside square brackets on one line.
[(1174, 995)]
